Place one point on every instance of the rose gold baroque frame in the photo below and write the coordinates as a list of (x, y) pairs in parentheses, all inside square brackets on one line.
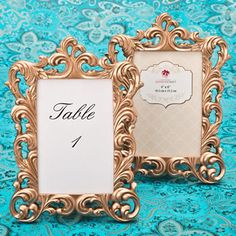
[(166, 30), (118, 204)]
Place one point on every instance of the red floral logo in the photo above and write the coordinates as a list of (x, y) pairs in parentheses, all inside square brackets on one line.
[(165, 73)]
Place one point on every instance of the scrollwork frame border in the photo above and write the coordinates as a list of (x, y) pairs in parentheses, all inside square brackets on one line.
[(166, 30), (27, 204)]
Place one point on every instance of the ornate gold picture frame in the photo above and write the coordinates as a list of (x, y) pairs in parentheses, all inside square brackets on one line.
[(27, 204), (165, 35)]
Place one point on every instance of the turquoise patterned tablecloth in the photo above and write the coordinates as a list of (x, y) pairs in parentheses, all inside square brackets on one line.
[(170, 206)]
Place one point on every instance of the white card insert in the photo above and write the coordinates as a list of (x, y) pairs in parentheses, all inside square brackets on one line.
[(75, 136)]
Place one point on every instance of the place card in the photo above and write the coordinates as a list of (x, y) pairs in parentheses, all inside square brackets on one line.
[(172, 101), (75, 136)]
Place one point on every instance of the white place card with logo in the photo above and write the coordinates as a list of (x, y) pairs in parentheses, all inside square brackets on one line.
[(166, 84), (169, 104)]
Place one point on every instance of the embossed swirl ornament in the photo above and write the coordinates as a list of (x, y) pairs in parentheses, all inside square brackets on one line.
[(26, 204), (209, 168)]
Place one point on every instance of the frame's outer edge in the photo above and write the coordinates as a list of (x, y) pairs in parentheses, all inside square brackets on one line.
[(166, 31), (27, 204)]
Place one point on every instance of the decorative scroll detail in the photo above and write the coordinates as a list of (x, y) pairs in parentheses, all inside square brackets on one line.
[(165, 35), (152, 166), (27, 204)]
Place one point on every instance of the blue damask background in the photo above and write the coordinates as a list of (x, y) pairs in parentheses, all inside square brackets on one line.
[(170, 206)]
